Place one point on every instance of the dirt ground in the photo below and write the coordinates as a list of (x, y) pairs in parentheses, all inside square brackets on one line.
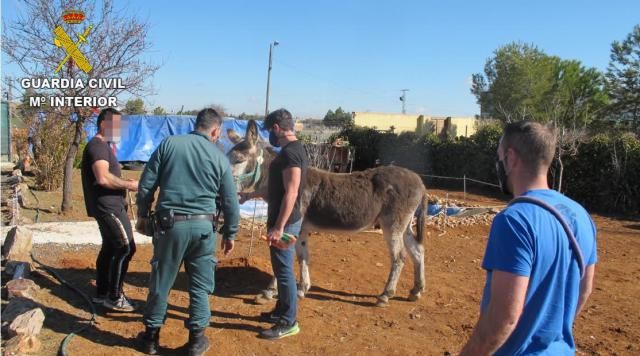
[(338, 315), (46, 205)]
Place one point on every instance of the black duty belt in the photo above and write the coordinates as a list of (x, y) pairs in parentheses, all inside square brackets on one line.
[(178, 217)]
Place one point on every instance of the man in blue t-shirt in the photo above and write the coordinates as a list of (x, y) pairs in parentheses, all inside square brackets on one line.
[(533, 290)]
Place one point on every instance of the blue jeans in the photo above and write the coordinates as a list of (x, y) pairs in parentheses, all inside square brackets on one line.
[(282, 263)]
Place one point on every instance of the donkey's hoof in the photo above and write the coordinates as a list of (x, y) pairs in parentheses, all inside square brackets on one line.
[(265, 297), (269, 293), (300, 294), (383, 301), (414, 296), (382, 304), (261, 299)]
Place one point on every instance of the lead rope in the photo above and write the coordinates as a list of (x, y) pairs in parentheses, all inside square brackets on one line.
[(572, 239), (253, 219), (133, 213)]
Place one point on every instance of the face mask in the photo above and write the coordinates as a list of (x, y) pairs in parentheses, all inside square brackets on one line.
[(502, 176), (273, 139)]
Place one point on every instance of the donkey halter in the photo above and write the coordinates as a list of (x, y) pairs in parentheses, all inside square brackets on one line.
[(255, 175)]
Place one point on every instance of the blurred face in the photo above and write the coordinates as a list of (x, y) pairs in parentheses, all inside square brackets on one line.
[(111, 127)]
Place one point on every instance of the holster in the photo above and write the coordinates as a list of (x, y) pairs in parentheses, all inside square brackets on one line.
[(164, 219)]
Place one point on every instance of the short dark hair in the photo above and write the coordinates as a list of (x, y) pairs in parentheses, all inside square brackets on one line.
[(535, 143), (282, 117), (104, 113), (207, 119)]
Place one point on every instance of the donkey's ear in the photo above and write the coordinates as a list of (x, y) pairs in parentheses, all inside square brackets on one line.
[(233, 136), (252, 133)]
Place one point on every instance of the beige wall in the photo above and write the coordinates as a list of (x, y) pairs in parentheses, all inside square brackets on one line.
[(465, 126), (383, 121)]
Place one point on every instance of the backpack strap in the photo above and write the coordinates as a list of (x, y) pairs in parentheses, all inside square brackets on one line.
[(572, 239)]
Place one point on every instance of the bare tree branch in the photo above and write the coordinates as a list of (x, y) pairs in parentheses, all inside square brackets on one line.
[(115, 48)]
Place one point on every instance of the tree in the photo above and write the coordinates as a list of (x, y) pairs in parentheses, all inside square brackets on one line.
[(329, 117), (135, 107), (578, 96), (159, 111), (521, 82), (24, 110), (113, 47), (245, 116), (420, 125), (219, 108), (514, 80), (569, 141), (623, 77), (338, 118)]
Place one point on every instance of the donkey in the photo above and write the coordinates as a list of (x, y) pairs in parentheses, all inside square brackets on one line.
[(334, 202)]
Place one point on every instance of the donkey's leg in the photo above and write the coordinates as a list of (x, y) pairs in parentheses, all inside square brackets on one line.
[(416, 251), (268, 294), (393, 236), (302, 251), (272, 289)]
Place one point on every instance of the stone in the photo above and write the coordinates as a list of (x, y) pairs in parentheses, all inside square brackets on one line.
[(25, 288), (17, 246), (25, 220), (28, 323), (22, 344), (16, 307), (25, 196)]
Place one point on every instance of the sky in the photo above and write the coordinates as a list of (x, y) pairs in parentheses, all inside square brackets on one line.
[(354, 54)]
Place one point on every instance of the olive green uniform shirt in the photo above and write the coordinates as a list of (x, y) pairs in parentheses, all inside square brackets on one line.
[(190, 171)]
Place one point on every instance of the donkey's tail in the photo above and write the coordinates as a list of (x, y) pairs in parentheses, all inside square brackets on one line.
[(422, 218)]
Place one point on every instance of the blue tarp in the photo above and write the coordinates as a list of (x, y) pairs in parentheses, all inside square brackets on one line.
[(145, 132), (435, 209)]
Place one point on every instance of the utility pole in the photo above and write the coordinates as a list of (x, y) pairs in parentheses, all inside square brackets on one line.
[(403, 98), (266, 106)]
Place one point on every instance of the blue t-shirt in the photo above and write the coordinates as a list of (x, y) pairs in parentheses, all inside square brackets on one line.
[(527, 240)]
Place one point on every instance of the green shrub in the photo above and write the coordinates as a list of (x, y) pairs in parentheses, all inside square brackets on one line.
[(604, 175)]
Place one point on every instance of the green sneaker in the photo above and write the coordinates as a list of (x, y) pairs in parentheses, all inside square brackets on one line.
[(280, 330)]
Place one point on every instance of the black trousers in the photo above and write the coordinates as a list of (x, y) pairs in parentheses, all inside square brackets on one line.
[(117, 249)]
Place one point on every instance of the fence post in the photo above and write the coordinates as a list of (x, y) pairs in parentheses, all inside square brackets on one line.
[(464, 184), (446, 204)]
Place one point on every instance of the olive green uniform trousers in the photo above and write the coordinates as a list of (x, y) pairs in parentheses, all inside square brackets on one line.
[(194, 243)]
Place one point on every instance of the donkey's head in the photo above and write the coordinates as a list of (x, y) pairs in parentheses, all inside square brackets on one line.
[(250, 159)]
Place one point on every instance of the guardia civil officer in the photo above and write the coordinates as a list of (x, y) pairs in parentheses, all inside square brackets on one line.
[(190, 171)]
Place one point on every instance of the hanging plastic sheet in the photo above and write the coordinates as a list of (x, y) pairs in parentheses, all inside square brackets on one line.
[(141, 134)]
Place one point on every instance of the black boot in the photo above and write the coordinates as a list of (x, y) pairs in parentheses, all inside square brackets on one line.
[(198, 342), (150, 340)]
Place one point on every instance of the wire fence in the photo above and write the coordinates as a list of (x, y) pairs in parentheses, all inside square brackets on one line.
[(464, 180)]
